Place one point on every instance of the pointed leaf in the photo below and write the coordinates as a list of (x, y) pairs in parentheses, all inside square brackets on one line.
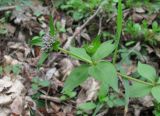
[(37, 41), (119, 20), (105, 72), (51, 26), (155, 92), (91, 48), (80, 53), (77, 76), (139, 90), (147, 71), (104, 50), (43, 57)]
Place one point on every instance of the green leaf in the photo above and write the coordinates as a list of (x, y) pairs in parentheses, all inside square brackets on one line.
[(51, 26), (35, 80), (37, 41), (119, 29), (44, 83), (126, 97), (155, 92), (80, 53), (43, 57), (35, 87), (104, 50), (158, 80), (55, 45), (77, 76), (119, 20), (77, 15), (92, 48), (87, 106), (154, 25), (139, 90), (147, 71), (105, 72), (102, 92), (16, 69), (18, 8)]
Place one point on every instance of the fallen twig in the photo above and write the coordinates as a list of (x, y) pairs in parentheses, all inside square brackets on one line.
[(54, 99), (7, 8), (78, 29)]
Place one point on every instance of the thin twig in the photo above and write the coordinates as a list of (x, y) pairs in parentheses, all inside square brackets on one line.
[(100, 25), (78, 29), (7, 8), (54, 99)]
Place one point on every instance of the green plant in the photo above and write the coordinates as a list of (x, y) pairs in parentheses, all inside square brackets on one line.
[(152, 6), (106, 74), (14, 2), (47, 42), (78, 8), (82, 108), (15, 69), (156, 111), (37, 83), (136, 30)]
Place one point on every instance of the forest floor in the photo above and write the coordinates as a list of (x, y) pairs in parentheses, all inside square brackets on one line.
[(32, 85)]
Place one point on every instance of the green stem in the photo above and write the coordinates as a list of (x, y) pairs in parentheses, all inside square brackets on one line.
[(90, 62), (119, 30), (134, 79), (72, 54)]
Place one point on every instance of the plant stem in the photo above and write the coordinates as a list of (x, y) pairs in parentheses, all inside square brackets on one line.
[(72, 54), (119, 30), (134, 79), (90, 62)]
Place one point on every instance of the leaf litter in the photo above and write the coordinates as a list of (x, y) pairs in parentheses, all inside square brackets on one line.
[(16, 95)]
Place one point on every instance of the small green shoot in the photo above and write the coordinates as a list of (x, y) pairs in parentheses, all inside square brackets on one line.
[(37, 83)]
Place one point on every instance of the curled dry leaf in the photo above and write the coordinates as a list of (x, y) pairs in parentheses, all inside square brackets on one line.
[(17, 105), (66, 67), (5, 99), (90, 87), (139, 10), (20, 47), (50, 73), (9, 91), (4, 111), (8, 60), (137, 17), (146, 101)]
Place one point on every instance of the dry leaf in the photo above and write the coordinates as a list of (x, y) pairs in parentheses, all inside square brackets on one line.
[(17, 106)]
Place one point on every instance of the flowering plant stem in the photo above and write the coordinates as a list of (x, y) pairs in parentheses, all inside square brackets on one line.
[(92, 63)]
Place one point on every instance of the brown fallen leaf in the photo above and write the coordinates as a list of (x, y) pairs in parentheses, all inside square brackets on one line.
[(17, 105), (90, 87)]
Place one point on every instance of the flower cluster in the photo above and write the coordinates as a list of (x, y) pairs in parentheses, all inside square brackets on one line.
[(48, 42)]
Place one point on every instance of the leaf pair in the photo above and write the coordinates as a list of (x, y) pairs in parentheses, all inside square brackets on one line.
[(140, 90), (104, 72), (103, 50)]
